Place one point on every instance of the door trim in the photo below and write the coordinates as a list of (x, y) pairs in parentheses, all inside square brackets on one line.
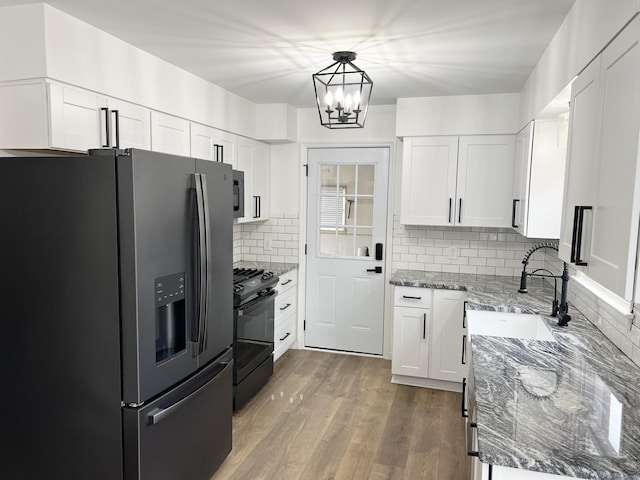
[(394, 163)]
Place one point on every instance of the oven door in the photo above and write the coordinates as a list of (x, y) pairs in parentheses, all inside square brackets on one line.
[(254, 326)]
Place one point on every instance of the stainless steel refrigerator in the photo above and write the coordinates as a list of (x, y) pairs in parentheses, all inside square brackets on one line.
[(117, 320)]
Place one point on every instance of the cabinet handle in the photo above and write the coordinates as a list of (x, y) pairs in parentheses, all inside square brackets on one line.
[(450, 207), (460, 210), (513, 214), (286, 283), (471, 453), (424, 326), (579, 260), (259, 206), (464, 350), (411, 298), (574, 232), (464, 391), (464, 314), (219, 152), (106, 126), (117, 122), (285, 337), (255, 202), (285, 307)]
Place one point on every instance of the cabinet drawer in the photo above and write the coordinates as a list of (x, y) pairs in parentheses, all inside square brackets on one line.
[(412, 297), (285, 335), (285, 303), (287, 281)]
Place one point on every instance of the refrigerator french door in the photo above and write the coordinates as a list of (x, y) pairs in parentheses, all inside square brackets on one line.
[(119, 274)]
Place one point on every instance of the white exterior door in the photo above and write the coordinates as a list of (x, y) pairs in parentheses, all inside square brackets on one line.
[(346, 219)]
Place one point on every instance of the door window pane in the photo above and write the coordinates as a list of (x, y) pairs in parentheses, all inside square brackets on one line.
[(345, 210), (366, 174)]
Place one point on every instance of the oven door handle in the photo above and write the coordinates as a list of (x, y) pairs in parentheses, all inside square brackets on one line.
[(269, 296)]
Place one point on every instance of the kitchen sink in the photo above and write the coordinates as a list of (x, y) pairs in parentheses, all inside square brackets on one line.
[(512, 325)]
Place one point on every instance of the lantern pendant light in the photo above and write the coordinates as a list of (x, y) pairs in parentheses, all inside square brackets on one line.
[(343, 92)]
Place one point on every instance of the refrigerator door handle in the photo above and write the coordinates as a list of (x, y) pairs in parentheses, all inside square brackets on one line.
[(207, 270), (202, 261), (156, 415)]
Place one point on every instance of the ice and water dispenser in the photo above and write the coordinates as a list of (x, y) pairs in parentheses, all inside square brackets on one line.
[(171, 314)]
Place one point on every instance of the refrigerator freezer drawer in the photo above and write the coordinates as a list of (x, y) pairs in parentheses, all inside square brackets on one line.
[(185, 433)]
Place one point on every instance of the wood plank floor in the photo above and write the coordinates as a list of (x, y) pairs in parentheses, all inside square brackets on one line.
[(326, 416)]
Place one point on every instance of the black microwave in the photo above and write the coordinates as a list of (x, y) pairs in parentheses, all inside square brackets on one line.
[(238, 193)]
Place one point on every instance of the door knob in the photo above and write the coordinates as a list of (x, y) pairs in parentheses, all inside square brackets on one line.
[(375, 270)]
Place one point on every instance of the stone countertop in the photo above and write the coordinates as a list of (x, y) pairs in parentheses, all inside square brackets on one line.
[(275, 267), (568, 408)]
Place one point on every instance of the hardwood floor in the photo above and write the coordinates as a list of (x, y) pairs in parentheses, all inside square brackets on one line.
[(326, 416)]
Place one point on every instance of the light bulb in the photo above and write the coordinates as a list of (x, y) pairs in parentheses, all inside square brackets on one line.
[(329, 99), (347, 103), (356, 99), (339, 95)]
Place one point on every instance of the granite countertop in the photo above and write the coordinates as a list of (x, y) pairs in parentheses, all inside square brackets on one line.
[(275, 267), (568, 408)]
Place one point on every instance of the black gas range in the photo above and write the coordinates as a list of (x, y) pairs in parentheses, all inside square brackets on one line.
[(253, 331)]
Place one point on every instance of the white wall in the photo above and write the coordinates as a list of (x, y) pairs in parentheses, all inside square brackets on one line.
[(82, 55), (457, 115), (586, 30), (285, 180), (22, 53)]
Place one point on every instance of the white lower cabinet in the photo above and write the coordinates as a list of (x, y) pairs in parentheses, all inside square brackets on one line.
[(286, 307), (428, 338), (448, 336)]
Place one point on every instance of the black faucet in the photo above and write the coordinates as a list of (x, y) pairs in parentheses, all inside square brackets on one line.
[(561, 309)]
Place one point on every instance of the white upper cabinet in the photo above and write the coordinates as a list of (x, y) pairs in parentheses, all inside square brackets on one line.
[(210, 143), (170, 134), (76, 121), (429, 167), (582, 158), (485, 180), (466, 181), (521, 175), (602, 194), (539, 178), (225, 145), (129, 124), (51, 115), (253, 160), (202, 142)]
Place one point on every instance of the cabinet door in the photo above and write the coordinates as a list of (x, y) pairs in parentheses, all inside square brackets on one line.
[(522, 169), (202, 142), (76, 120), (170, 134), (582, 160), (429, 167), (615, 219), (253, 160), (261, 179), (245, 163), (133, 124), (226, 144), (410, 342), (485, 180), (448, 336)]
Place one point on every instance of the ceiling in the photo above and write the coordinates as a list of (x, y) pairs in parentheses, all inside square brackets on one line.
[(266, 50)]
